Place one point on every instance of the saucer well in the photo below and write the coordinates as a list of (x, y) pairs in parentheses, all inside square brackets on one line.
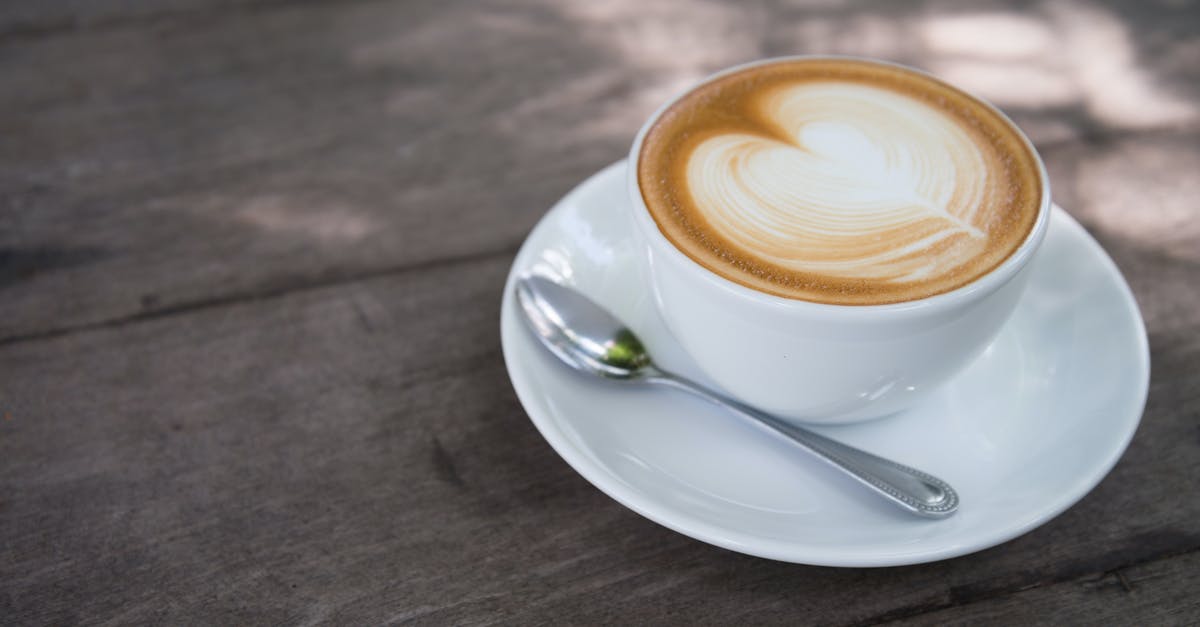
[(1024, 433)]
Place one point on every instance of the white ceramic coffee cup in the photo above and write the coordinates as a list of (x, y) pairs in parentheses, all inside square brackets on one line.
[(820, 363)]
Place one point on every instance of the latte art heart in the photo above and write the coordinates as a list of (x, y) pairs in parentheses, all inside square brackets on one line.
[(870, 183), (839, 181)]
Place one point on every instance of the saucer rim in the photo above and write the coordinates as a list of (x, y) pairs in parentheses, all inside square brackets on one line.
[(780, 550)]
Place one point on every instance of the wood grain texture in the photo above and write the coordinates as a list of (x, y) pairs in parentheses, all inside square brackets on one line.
[(251, 255), (1159, 593), (206, 155)]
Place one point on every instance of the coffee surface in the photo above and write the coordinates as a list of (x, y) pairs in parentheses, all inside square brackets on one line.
[(839, 181)]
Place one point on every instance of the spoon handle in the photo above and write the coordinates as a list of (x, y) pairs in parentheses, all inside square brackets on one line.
[(913, 490)]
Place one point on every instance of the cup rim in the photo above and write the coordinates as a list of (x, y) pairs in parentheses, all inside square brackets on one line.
[(979, 287)]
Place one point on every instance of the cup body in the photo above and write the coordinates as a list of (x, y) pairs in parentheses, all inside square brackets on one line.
[(821, 363)]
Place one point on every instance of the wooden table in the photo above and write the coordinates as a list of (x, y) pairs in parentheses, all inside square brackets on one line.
[(251, 258)]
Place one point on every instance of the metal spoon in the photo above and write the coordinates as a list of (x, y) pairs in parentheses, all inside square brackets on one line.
[(590, 339)]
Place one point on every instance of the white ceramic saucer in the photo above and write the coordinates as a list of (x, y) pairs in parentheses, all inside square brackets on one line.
[(1022, 434)]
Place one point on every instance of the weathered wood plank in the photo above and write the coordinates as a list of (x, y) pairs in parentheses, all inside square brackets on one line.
[(170, 164), (179, 464), (163, 163), (1162, 592), (49, 18), (355, 454)]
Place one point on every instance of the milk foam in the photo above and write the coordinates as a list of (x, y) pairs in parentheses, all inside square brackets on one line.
[(865, 184), (839, 181)]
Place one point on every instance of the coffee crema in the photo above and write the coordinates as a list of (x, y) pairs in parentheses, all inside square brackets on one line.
[(839, 181)]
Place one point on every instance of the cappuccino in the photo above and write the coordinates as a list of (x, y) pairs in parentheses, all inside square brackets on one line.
[(839, 181)]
